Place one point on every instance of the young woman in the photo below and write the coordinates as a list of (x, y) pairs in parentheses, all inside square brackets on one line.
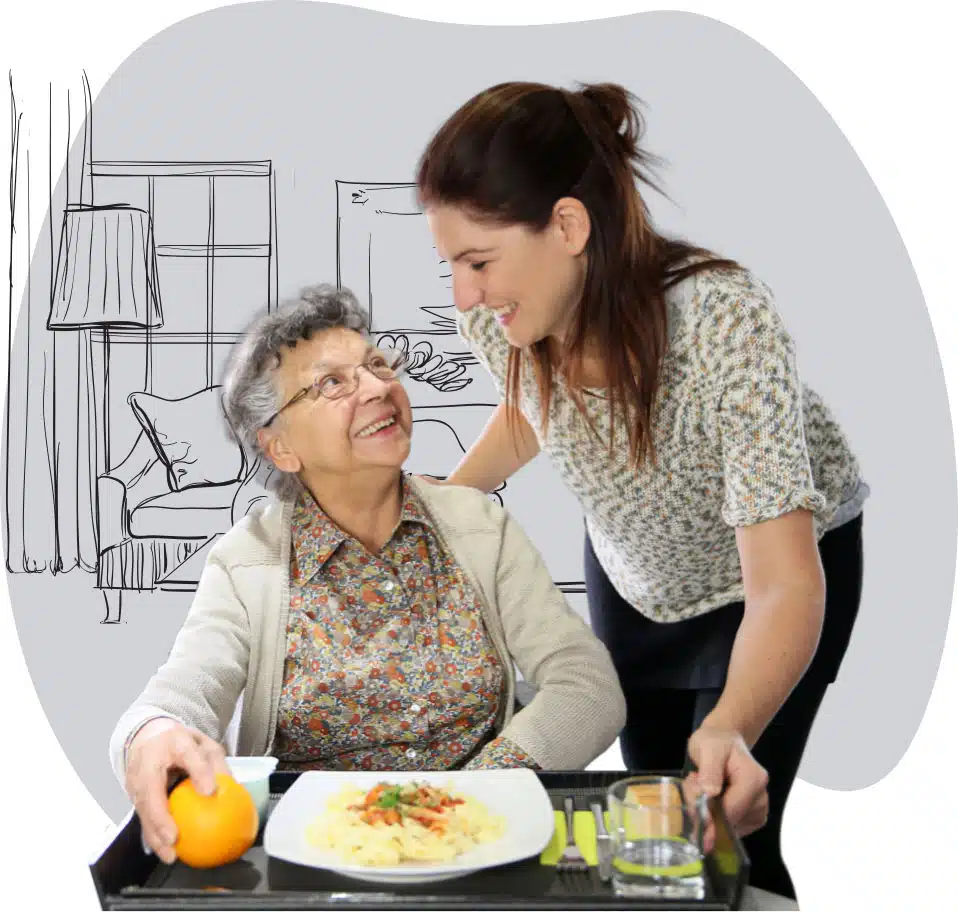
[(723, 503)]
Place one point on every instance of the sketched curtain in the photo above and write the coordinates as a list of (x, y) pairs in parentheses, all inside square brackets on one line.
[(50, 457)]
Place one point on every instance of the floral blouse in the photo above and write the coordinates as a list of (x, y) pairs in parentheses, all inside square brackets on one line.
[(388, 662)]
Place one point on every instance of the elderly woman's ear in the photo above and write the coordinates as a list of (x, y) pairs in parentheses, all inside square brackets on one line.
[(278, 451)]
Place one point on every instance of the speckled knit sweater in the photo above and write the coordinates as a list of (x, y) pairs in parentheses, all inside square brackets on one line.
[(739, 439)]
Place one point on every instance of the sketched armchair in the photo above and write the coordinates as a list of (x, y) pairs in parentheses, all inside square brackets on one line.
[(183, 483)]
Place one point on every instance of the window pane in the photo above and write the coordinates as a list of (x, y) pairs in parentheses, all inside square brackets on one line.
[(181, 210), (241, 206), (240, 291), (182, 282)]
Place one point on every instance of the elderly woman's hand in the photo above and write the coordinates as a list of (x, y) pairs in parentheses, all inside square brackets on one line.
[(162, 749), (724, 762)]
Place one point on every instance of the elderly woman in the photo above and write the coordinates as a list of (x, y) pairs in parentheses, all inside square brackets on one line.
[(370, 620)]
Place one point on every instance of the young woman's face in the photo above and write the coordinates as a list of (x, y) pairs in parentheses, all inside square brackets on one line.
[(532, 281)]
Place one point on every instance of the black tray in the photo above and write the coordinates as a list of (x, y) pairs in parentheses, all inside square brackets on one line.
[(128, 878)]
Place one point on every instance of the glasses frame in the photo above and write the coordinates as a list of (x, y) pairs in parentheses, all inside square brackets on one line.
[(402, 363)]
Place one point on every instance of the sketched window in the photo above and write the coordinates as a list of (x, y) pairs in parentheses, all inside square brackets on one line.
[(180, 231), (241, 229)]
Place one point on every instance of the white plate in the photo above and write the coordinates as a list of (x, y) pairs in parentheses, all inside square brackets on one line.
[(516, 794)]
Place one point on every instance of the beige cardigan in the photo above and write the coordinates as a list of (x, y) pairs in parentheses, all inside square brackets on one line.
[(233, 641)]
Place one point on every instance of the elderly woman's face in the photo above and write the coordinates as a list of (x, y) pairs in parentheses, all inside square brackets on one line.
[(371, 427)]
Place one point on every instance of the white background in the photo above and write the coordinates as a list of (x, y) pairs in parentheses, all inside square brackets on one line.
[(886, 76)]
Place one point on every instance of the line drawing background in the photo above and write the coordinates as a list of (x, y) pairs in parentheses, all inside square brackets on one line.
[(773, 183)]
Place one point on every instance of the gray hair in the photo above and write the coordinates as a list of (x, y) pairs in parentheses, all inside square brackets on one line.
[(250, 392)]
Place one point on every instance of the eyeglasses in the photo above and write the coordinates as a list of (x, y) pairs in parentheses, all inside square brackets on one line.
[(383, 363)]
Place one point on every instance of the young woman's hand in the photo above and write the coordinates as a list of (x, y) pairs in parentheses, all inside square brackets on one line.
[(161, 750), (726, 766)]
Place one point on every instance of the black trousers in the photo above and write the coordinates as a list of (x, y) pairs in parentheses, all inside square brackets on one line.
[(673, 674)]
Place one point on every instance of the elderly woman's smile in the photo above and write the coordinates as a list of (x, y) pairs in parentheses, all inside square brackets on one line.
[(381, 427)]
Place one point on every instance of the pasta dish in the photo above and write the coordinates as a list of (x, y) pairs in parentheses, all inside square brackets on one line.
[(391, 824)]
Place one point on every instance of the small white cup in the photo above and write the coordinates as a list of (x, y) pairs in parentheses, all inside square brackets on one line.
[(253, 773)]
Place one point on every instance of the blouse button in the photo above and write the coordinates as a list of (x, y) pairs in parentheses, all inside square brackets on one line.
[(411, 754), (388, 586), (414, 708)]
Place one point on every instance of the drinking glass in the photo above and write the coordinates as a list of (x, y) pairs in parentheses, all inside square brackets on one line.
[(657, 825)]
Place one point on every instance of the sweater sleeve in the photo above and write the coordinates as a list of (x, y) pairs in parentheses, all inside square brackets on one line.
[(501, 753), (201, 680), (481, 334), (756, 405), (579, 708)]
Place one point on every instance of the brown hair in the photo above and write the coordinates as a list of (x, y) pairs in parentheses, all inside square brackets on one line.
[(512, 151)]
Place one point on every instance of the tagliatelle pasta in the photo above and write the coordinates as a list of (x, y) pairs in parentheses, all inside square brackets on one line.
[(392, 824)]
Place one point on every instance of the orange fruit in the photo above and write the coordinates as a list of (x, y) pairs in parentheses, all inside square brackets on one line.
[(213, 829)]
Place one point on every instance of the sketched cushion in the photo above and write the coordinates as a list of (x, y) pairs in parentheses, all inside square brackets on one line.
[(189, 436)]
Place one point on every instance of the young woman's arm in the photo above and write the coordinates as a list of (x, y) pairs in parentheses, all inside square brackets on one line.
[(770, 501), (497, 453), (784, 611)]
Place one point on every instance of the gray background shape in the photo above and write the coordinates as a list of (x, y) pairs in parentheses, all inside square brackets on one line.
[(760, 172)]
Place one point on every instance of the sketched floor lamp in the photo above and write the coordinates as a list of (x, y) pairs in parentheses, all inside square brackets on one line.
[(106, 280)]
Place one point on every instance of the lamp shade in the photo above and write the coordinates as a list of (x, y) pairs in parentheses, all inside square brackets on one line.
[(106, 270)]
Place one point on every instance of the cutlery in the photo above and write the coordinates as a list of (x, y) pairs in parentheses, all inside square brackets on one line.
[(603, 843), (571, 859)]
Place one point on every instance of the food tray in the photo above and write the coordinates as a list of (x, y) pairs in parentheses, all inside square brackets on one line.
[(128, 878)]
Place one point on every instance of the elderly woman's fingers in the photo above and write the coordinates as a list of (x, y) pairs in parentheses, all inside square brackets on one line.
[(196, 755), (148, 778), (214, 753), (150, 801), (153, 762)]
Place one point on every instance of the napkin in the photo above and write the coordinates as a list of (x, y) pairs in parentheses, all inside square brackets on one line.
[(583, 824), (585, 837)]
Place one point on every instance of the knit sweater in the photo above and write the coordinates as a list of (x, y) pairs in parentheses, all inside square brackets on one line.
[(233, 641), (739, 439)]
